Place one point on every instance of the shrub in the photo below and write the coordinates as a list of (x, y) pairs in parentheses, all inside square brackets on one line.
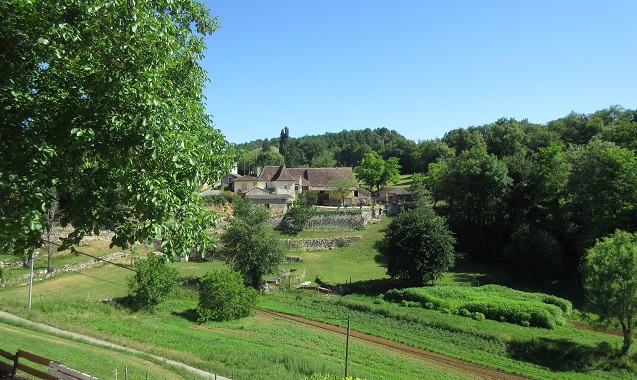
[(478, 316), (152, 283), (296, 218), (223, 296)]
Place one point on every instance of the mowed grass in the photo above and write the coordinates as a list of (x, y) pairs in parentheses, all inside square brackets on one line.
[(100, 362), (359, 261), (260, 346)]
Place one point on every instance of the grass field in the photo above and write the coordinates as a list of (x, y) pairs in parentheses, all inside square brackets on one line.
[(262, 346)]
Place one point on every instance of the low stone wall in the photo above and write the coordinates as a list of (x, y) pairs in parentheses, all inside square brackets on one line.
[(321, 244), (55, 238), (335, 220), (42, 273)]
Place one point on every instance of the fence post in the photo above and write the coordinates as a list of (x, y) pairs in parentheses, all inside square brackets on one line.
[(147, 376), (126, 372), (115, 373)]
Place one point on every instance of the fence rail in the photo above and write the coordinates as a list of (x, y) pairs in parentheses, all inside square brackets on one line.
[(56, 371)]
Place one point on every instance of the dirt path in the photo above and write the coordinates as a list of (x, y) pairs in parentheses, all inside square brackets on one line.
[(446, 361)]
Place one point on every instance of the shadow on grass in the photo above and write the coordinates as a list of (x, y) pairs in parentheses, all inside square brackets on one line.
[(561, 354), (381, 260), (370, 287), (189, 315)]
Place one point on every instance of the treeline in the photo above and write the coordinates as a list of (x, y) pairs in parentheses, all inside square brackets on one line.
[(342, 149), (536, 196)]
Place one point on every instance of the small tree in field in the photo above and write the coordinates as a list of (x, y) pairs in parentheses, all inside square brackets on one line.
[(223, 297), (296, 217), (610, 281), (418, 246), (253, 248), (341, 187), (152, 283)]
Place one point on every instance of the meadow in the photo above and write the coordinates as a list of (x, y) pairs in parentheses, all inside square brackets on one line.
[(264, 346)]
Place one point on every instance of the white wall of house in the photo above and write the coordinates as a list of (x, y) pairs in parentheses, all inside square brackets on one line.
[(284, 187)]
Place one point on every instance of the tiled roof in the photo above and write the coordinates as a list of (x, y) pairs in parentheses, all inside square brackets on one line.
[(319, 177), (246, 178), (315, 177), (283, 174)]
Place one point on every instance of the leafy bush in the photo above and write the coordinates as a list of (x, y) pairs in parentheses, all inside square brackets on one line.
[(152, 283), (296, 218), (478, 316), (493, 301), (418, 246), (223, 296)]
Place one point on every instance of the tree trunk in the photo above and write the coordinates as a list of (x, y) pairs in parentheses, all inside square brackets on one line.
[(627, 329)]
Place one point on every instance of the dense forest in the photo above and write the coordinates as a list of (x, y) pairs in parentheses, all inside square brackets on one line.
[(536, 196)]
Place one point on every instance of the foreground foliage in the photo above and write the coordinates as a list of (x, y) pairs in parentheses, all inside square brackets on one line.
[(102, 102)]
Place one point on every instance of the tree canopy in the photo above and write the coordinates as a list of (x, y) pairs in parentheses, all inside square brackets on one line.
[(103, 101), (375, 172), (419, 246), (573, 179), (253, 248), (609, 271)]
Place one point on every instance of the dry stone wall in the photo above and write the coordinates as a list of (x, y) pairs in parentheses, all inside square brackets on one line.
[(335, 220), (321, 244)]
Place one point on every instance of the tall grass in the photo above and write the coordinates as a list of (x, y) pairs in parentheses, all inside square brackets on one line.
[(573, 353), (257, 347)]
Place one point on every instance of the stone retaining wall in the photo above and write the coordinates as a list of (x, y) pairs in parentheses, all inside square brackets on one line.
[(321, 244), (336, 220)]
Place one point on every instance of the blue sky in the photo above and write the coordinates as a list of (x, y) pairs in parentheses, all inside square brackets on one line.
[(421, 68)]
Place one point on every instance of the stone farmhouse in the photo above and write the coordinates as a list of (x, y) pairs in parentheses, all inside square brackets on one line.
[(277, 187)]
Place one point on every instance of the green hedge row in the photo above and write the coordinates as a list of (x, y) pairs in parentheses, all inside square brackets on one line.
[(494, 301)]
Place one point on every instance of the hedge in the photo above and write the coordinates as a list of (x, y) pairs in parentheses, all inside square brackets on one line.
[(494, 301)]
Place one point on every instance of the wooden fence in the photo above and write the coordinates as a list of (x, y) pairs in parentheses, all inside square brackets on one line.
[(56, 371)]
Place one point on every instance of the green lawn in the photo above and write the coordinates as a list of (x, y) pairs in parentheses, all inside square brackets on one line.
[(359, 261), (263, 346)]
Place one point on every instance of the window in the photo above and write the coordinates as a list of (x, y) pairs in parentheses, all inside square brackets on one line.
[(286, 187), (244, 186), (356, 193)]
